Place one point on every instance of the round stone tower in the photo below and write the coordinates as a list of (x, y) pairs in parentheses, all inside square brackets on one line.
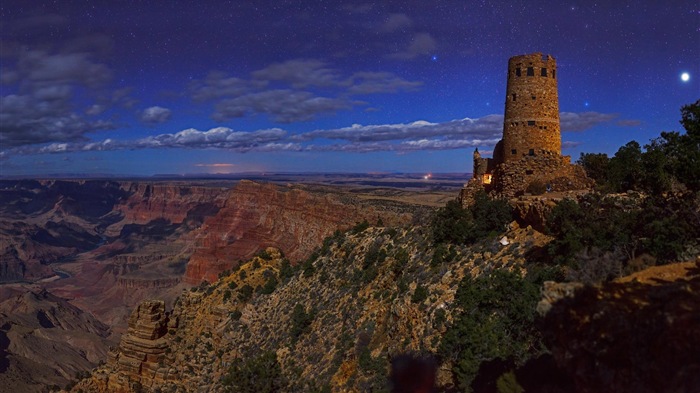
[(531, 123)]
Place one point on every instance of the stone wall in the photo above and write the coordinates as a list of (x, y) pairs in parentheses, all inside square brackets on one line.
[(513, 178)]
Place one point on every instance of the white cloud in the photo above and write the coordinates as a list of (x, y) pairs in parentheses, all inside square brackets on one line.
[(422, 44), (155, 115)]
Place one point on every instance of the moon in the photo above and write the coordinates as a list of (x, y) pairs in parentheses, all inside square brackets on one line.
[(685, 77)]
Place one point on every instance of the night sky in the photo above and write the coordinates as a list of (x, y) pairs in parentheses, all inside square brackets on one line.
[(186, 87)]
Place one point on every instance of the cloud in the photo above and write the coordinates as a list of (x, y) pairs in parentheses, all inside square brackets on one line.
[(218, 138), (46, 117), (380, 82), (399, 137), (155, 115), (570, 144), (41, 68), (292, 91), (217, 85), (95, 109), (573, 122), (299, 73), (629, 123), (284, 106), (397, 21), (41, 109), (422, 44), (485, 128), (218, 165)]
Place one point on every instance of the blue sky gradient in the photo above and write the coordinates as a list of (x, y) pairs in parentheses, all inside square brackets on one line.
[(181, 87)]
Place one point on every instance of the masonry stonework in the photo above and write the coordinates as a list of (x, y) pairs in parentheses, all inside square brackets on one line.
[(530, 150)]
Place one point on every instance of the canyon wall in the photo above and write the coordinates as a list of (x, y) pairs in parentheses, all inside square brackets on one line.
[(266, 215)]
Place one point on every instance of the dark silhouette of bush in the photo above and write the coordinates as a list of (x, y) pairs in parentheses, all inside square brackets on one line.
[(300, 322), (457, 225), (496, 321), (260, 374)]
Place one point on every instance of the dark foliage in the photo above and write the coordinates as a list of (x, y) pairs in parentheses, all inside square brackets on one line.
[(260, 374), (486, 216), (598, 236), (300, 322), (496, 321)]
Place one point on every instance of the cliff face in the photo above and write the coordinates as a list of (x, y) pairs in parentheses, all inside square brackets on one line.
[(174, 203), (265, 215), (44, 340)]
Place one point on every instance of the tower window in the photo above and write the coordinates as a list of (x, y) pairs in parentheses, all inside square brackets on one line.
[(531, 122), (513, 151), (529, 172), (554, 74), (531, 152), (533, 97), (514, 96), (530, 71), (544, 71), (517, 71)]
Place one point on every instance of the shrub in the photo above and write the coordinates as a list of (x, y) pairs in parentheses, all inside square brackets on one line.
[(245, 293), (496, 321), (300, 322), (420, 294), (360, 227), (269, 286), (457, 225), (260, 374)]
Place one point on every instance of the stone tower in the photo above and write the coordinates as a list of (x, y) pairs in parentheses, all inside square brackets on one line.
[(528, 158), (531, 122)]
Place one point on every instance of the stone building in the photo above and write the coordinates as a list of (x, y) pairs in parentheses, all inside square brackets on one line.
[(529, 154)]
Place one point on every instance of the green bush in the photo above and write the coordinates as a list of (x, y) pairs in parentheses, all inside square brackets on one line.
[(496, 320), (457, 225), (360, 227), (260, 374), (300, 322), (245, 293), (269, 286), (420, 294)]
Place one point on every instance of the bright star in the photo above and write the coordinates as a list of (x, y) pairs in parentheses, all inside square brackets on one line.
[(434, 58), (685, 77)]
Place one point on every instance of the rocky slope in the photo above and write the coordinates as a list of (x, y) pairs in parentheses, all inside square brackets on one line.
[(366, 297), (45, 341), (335, 323)]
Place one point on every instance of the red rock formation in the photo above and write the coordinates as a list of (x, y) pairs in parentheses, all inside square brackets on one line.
[(265, 215), (150, 201)]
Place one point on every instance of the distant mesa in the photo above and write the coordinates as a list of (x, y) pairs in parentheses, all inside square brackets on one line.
[(529, 154)]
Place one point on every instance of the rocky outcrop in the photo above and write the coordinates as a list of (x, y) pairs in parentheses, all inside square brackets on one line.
[(266, 215), (137, 361), (636, 335)]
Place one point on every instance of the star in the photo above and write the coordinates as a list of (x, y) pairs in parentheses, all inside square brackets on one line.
[(685, 77), (434, 58)]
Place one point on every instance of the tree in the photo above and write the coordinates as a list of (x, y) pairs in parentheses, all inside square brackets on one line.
[(595, 165), (625, 168)]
